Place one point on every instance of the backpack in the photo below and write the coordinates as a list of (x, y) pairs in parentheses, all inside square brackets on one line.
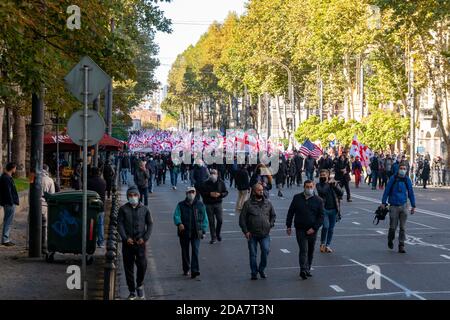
[(380, 214)]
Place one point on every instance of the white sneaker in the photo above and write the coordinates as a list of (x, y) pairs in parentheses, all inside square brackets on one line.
[(140, 293), (132, 296)]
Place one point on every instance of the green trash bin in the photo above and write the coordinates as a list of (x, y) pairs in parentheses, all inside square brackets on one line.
[(65, 222)]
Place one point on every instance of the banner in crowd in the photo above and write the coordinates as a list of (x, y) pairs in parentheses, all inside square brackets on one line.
[(362, 151), (160, 141), (309, 148)]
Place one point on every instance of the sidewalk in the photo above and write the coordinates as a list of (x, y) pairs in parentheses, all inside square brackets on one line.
[(24, 278)]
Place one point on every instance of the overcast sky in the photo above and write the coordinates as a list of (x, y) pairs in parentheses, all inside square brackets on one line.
[(190, 19)]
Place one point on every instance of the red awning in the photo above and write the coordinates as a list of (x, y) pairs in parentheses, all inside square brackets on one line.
[(66, 144)]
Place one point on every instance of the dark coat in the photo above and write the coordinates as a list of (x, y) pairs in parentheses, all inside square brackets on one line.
[(298, 163), (280, 176), (191, 215), (242, 179), (8, 191), (135, 223), (257, 217), (98, 185), (141, 178), (426, 171), (336, 192), (208, 186), (306, 214)]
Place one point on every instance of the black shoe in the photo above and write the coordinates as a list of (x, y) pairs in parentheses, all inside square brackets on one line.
[(194, 275), (212, 241), (390, 244), (262, 275), (303, 275), (254, 277), (186, 273), (349, 200), (9, 244), (401, 249), (308, 274), (219, 238)]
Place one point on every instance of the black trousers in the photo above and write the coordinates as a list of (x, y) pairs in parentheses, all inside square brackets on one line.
[(306, 244), (344, 183), (188, 263), (215, 218), (299, 177), (134, 255)]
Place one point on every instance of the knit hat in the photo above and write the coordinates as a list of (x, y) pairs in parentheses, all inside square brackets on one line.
[(133, 189)]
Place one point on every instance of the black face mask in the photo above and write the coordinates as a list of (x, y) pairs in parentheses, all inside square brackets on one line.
[(322, 179), (259, 197)]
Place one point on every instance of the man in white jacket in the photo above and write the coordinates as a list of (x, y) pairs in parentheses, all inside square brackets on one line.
[(48, 186)]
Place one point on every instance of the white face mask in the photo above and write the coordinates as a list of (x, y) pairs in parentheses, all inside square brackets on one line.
[(190, 196), (133, 200), (213, 177), (309, 192)]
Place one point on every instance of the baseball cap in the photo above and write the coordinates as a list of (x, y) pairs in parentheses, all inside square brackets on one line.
[(190, 189)]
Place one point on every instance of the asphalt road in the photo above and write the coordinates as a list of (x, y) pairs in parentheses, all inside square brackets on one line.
[(422, 273)]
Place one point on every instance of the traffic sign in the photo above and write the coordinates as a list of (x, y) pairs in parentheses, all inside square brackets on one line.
[(98, 80), (96, 126)]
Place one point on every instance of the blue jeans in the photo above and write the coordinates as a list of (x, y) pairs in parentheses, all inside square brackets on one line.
[(8, 219), (124, 174), (374, 179), (310, 175), (101, 229), (173, 178), (329, 221), (150, 183), (264, 243)]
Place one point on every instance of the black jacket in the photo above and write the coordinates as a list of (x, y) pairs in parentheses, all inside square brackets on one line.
[(141, 178), (208, 186), (336, 193), (325, 164), (126, 163), (298, 163), (242, 180), (306, 214), (310, 164), (135, 223), (339, 166), (98, 185), (8, 191), (257, 217)]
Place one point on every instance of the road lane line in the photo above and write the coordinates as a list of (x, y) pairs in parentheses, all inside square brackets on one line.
[(357, 223), (407, 291), (445, 256), (285, 251), (421, 224), (337, 288), (380, 232), (427, 212)]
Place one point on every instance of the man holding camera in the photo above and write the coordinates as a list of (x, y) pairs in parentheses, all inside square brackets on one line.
[(397, 192)]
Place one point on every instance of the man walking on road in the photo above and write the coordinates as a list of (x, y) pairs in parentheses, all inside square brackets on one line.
[(135, 226), (310, 166), (213, 191), (242, 182), (96, 183), (141, 177), (331, 195), (192, 222), (299, 166), (9, 199), (256, 220), (397, 192), (125, 168), (306, 210)]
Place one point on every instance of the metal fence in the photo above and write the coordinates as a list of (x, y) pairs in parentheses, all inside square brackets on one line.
[(112, 244)]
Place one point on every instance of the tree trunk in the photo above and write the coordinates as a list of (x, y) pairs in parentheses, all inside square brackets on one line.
[(2, 117), (19, 143), (280, 118)]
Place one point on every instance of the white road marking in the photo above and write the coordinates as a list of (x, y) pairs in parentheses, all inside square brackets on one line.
[(337, 288), (427, 212), (285, 251), (367, 210), (380, 232), (232, 214), (445, 256), (407, 291), (418, 241), (421, 224), (357, 223)]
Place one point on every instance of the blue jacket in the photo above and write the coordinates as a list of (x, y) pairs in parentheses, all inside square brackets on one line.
[(398, 190), (395, 168)]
